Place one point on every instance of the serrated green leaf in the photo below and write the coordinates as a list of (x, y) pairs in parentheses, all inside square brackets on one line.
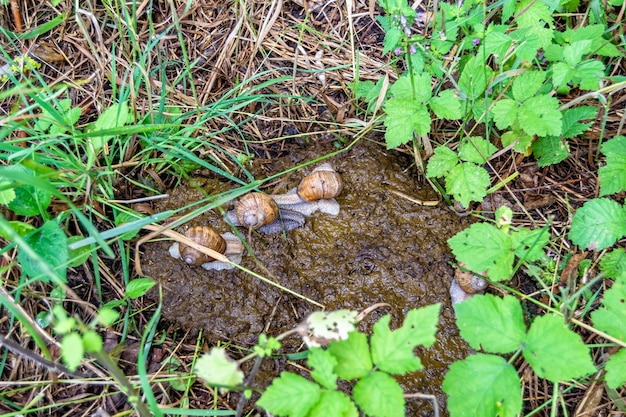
[(50, 244), (6, 195), (527, 84), (562, 74), (540, 116), (483, 385), (573, 53), (616, 369), (572, 117), (378, 394), (591, 73), (467, 182), (442, 162), (26, 200), (497, 44), (92, 341), (613, 264), (611, 318), (323, 364), (484, 247), (418, 88), (529, 244), (493, 324), (598, 224), (353, 356), (72, 350), (505, 113), (533, 13), (474, 78), (138, 287), (613, 174), (524, 141), (392, 351), (392, 40), (216, 368), (476, 149), (526, 43), (107, 316), (404, 116), (446, 105), (115, 116), (334, 403), (555, 352), (550, 150), (290, 395), (21, 228)]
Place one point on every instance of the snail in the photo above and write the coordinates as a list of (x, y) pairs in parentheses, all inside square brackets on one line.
[(258, 211), (316, 191), (227, 244), (465, 285), (460, 210)]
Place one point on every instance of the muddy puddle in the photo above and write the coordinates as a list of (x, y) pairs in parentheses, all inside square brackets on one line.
[(380, 248)]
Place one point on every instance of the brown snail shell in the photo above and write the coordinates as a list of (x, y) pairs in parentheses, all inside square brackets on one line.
[(256, 209), (323, 183), (469, 282), (205, 236)]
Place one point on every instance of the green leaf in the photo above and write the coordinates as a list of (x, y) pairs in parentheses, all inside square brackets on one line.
[(524, 141), (484, 247), (322, 327), (115, 116), (527, 84), (107, 316), (562, 74), (483, 385), (21, 228), (572, 117), (323, 364), (550, 150), (25, 200), (598, 224), (611, 318), (216, 368), (92, 342), (591, 73), (72, 350), (526, 43), (476, 149), (378, 394), (505, 113), (613, 264), (540, 116), (78, 256), (533, 13), (334, 403), (353, 356), (290, 395), (467, 182), (446, 105), (404, 116), (613, 174), (49, 243), (474, 78), (529, 244), (442, 162), (491, 323), (497, 44), (392, 40), (392, 351), (419, 89), (555, 352), (6, 195), (138, 287), (573, 54), (616, 369)]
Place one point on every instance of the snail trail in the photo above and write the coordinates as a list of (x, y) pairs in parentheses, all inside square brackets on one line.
[(379, 248)]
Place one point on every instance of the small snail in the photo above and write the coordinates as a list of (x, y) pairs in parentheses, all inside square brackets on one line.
[(259, 212), (316, 191), (460, 210), (465, 285), (227, 244)]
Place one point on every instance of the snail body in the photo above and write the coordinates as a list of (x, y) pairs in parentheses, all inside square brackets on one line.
[(286, 220), (227, 244)]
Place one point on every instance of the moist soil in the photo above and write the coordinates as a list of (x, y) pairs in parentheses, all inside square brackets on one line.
[(381, 248)]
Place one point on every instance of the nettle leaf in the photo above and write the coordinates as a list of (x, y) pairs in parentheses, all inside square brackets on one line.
[(216, 368), (573, 53), (562, 74), (613, 174), (529, 244), (555, 352), (323, 364), (524, 141), (418, 88), (598, 224), (505, 113), (572, 117), (550, 150), (493, 324), (475, 78), (484, 247), (532, 13), (290, 395), (476, 149), (334, 403), (378, 394), (392, 351), (442, 162), (613, 264), (467, 182), (392, 40), (616, 369), (446, 105), (612, 317), (540, 116), (353, 356), (497, 43), (483, 385), (404, 116), (527, 85), (527, 43), (591, 73), (49, 243)]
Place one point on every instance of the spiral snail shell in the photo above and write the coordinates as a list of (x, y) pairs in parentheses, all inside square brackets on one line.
[(255, 210), (205, 236), (323, 183), (465, 285)]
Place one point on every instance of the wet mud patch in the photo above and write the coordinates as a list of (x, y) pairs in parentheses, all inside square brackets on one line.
[(380, 248)]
